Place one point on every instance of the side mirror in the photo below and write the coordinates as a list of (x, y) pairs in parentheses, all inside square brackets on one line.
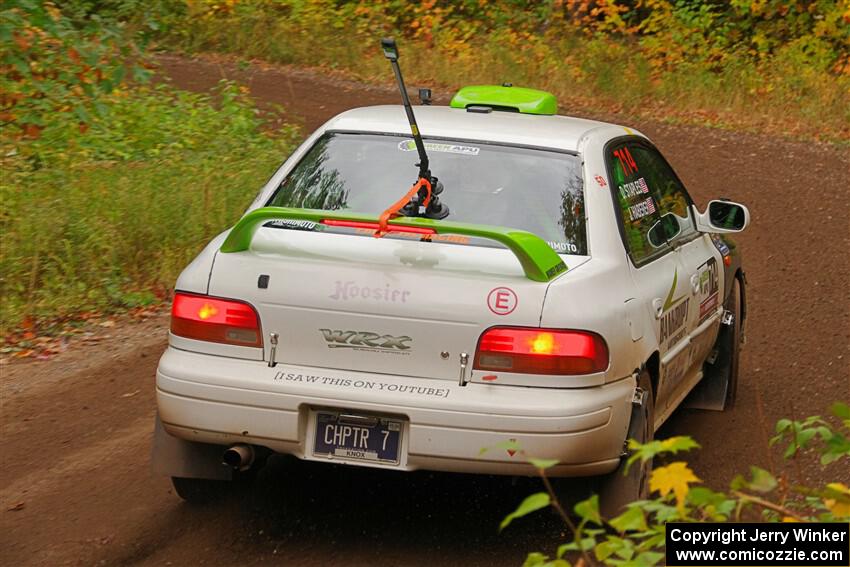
[(723, 217)]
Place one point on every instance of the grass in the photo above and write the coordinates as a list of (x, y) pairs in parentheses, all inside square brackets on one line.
[(92, 231), (784, 94)]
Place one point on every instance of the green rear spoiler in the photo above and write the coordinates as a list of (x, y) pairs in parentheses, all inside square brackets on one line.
[(538, 260)]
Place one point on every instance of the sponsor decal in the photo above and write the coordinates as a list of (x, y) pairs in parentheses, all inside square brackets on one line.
[(366, 341), (600, 180), (348, 290), (673, 322), (502, 301), (674, 315), (293, 224), (556, 269), (511, 452), (708, 278), (709, 289), (410, 146), (720, 244), (374, 385), (642, 209), (563, 247), (633, 189), (707, 307), (674, 372)]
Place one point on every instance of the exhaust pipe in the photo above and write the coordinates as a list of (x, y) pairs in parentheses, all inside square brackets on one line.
[(240, 457)]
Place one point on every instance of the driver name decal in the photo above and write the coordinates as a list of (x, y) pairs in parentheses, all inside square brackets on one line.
[(642, 209), (633, 189)]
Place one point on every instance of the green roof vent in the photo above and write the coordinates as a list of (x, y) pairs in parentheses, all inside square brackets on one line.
[(506, 97)]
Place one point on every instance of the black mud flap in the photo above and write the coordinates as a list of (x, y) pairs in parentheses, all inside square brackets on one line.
[(171, 456), (710, 393)]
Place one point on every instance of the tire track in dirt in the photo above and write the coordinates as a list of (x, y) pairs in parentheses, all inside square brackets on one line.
[(76, 429)]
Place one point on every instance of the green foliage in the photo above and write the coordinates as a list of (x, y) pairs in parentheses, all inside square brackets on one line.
[(637, 535), (110, 216), (531, 504), (647, 451), (110, 187), (770, 64), (54, 70), (801, 434)]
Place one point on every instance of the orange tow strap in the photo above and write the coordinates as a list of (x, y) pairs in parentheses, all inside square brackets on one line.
[(392, 210)]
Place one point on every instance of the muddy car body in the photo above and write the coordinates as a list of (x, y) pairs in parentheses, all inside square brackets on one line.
[(571, 300)]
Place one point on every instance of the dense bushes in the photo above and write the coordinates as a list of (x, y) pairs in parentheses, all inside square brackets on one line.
[(110, 188), (636, 537), (766, 64)]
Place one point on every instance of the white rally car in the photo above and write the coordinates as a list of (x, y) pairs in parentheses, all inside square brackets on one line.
[(564, 296)]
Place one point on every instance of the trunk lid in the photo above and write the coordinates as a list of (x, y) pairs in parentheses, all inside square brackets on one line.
[(388, 305)]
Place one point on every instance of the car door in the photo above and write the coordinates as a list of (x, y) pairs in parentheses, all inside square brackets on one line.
[(699, 270), (659, 277)]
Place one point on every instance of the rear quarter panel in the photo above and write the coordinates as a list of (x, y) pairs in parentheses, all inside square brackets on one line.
[(600, 295)]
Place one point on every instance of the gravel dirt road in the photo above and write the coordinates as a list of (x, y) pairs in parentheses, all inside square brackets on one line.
[(75, 484)]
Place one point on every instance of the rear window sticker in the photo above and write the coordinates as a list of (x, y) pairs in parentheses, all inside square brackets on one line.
[(410, 146), (642, 209), (627, 162), (633, 189)]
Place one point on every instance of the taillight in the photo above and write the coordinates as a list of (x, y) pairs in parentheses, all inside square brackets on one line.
[(217, 320), (541, 351)]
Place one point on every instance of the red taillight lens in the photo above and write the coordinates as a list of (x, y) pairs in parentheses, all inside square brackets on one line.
[(217, 320), (541, 351)]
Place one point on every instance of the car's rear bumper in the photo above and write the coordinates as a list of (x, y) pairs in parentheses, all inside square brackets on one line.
[(221, 400)]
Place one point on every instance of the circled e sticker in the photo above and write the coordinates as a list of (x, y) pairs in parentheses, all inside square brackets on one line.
[(502, 301)]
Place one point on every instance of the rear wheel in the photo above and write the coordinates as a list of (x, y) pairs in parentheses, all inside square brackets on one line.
[(619, 488)]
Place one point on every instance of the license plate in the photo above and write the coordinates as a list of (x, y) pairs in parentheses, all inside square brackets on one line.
[(358, 437)]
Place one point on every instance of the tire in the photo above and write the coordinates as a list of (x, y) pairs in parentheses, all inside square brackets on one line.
[(200, 491), (617, 489), (732, 345)]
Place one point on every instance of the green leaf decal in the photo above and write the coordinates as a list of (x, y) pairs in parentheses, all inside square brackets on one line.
[(668, 303)]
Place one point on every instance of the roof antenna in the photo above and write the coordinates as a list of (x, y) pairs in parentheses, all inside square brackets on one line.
[(434, 209)]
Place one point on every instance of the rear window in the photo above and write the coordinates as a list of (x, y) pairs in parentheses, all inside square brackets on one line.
[(530, 189)]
